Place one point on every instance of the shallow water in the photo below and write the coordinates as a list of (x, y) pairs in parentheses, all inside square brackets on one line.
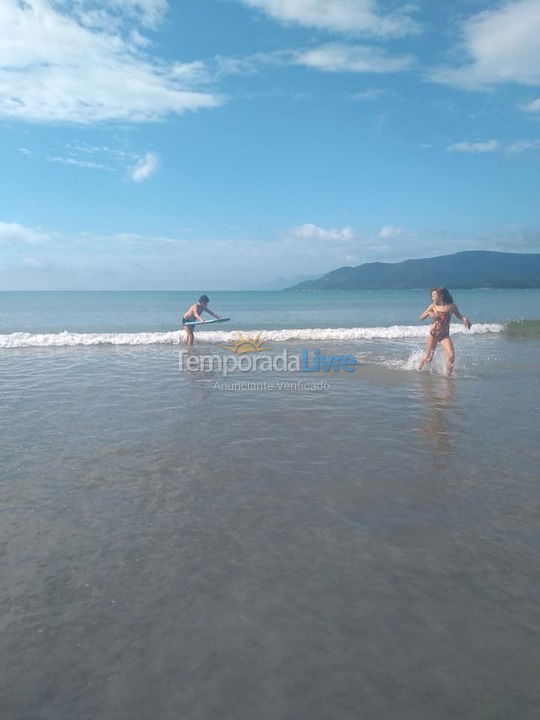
[(173, 548)]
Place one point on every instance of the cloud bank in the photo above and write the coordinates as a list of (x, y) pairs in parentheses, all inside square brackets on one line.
[(88, 63)]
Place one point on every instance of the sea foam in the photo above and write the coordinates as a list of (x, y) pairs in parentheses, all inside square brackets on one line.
[(71, 339)]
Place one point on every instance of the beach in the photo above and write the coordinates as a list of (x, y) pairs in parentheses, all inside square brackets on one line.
[(268, 544)]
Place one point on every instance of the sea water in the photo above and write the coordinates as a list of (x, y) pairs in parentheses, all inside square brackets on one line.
[(178, 546)]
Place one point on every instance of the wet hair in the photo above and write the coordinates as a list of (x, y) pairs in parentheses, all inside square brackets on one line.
[(204, 299), (444, 295)]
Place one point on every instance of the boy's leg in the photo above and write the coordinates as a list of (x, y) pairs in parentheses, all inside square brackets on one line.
[(189, 334)]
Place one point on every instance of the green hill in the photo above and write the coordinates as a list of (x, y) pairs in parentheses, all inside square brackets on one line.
[(469, 269)]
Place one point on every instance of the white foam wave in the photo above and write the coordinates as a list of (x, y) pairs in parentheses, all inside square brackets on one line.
[(70, 339)]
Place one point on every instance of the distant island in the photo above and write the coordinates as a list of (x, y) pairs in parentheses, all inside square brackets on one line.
[(469, 269)]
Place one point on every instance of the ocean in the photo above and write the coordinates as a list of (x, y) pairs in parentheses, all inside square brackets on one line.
[(271, 544)]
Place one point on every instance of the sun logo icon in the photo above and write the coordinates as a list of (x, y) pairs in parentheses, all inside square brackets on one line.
[(246, 344)]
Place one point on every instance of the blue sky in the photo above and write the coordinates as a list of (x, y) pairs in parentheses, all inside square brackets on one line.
[(222, 144)]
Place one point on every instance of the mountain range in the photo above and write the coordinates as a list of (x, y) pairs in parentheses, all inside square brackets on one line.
[(468, 269)]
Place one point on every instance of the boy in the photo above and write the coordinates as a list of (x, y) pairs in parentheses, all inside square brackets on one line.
[(194, 313)]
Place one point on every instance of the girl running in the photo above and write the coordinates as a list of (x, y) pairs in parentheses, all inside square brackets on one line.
[(440, 311)]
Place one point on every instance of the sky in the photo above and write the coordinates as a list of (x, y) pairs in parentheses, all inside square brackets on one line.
[(244, 144)]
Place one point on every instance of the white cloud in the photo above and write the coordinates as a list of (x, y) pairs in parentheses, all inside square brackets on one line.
[(308, 231), (474, 147), (104, 150), (501, 46), (337, 57), (330, 57), (517, 146), (144, 168), (79, 63), (192, 73), (11, 232), (390, 232), (369, 95), (342, 16), (79, 163), (149, 11), (533, 106), (250, 64), (522, 145), (100, 157)]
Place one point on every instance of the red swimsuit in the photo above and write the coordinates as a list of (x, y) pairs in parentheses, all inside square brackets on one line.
[(441, 326)]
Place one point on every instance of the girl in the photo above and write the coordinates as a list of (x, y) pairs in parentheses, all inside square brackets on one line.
[(440, 311)]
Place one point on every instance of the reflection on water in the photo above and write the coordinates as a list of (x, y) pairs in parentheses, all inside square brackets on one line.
[(438, 393)]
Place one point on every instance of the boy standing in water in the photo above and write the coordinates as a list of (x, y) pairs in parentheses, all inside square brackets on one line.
[(194, 313)]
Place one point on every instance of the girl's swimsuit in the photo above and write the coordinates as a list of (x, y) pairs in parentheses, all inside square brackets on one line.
[(441, 326)]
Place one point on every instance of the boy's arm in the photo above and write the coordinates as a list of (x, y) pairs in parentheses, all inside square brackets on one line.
[(213, 314)]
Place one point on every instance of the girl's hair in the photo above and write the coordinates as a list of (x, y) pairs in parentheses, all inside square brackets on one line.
[(444, 295), (204, 299)]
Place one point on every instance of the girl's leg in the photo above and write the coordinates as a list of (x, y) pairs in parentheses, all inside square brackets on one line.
[(448, 348), (428, 351)]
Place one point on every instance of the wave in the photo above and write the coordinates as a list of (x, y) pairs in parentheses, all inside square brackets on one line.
[(522, 329), (72, 339)]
